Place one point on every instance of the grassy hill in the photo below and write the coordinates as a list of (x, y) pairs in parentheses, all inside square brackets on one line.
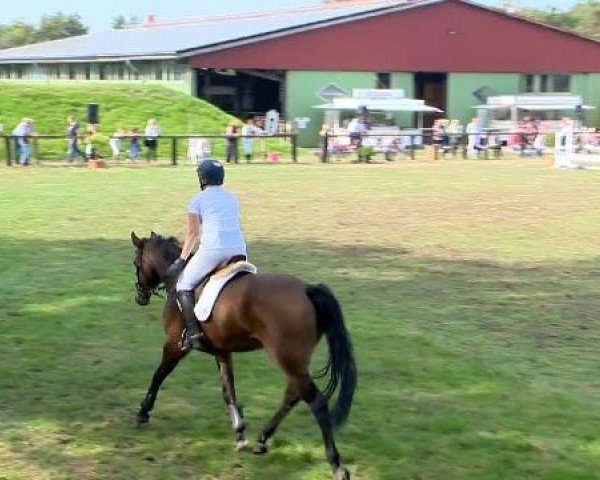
[(124, 106)]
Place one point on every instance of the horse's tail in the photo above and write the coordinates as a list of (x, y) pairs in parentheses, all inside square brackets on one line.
[(341, 367)]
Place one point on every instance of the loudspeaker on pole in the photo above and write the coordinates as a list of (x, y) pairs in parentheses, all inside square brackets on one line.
[(93, 112)]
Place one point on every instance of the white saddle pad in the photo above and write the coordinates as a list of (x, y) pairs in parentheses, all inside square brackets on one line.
[(211, 291)]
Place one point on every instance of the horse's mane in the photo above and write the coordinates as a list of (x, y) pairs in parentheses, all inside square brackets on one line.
[(170, 245)]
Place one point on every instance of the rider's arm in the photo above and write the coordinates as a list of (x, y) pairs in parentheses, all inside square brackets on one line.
[(191, 237)]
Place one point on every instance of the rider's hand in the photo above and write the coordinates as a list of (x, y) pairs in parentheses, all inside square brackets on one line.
[(175, 268)]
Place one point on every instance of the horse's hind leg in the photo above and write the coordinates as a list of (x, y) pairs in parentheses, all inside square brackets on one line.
[(172, 355), (318, 405), (290, 398), (237, 420)]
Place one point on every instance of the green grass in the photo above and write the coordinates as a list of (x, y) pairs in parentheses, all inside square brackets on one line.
[(470, 289), (121, 105)]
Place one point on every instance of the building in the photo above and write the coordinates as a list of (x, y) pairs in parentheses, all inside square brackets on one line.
[(447, 52)]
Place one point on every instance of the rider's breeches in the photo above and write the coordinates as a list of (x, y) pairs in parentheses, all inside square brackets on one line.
[(201, 264)]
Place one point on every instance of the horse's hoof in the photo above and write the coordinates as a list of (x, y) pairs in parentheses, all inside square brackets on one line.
[(241, 445), (341, 474), (260, 449), (141, 420)]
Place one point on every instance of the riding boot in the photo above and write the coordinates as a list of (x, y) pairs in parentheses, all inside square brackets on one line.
[(192, 337)]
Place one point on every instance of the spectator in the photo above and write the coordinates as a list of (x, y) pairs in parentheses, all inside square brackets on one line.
[(151, 141), (90, 149), (73, 135), (248, 131), (22, 132), (231, 137), (115, 144), (134, 144), (455, 131), (474, 131), (527, 134), (356, 129)]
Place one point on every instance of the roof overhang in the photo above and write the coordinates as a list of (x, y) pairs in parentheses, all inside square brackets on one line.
[(99, 59)]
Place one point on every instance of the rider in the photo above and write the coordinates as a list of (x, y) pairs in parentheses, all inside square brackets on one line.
[(216, 212)]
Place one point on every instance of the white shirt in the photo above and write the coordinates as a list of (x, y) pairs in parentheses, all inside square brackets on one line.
[(354, 126), (219, 212), (152, 131)]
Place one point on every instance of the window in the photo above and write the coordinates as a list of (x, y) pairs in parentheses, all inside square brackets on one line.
[(561, 83), (530, 83), (384, 80), (179, 72), (546, 83), (544, 87)]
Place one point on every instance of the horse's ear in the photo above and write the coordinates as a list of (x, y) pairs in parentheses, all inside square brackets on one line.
[(153, 234), (137, 241)]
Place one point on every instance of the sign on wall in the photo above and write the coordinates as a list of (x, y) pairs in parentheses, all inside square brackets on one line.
[(378, 94)]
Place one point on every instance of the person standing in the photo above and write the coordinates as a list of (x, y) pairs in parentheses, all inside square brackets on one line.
[(115, 144), (73, 134), (22, 132), (248, 131), (151, 133), (231, 137), (134, 144), (473, 132)]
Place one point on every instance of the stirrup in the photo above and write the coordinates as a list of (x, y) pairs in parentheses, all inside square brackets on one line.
[(185, 343)]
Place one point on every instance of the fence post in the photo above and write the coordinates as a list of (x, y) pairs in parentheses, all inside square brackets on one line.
[(465, 143), (325, 147), (412, 146), (35, 151), (486, 155), (294, 147), (8, 150), (174, 150)]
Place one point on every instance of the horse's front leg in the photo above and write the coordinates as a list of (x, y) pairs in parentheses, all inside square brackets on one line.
[(172, 355), (225, 368)]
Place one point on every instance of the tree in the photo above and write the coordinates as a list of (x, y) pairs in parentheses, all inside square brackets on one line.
[(120, 21), (587, 15), (582, 18), (553, 17), (60, 25), (51, 27), (16, 34)]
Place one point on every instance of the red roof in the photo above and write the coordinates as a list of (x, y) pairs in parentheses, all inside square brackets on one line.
[(435, 36)]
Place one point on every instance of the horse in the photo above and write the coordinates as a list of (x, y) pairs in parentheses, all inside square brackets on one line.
[(280, 313)]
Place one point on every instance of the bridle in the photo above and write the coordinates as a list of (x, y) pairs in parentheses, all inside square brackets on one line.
[(145, 292)]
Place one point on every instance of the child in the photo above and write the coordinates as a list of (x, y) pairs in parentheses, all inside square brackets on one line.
[(90, 150), (115, 144), (134, 144)]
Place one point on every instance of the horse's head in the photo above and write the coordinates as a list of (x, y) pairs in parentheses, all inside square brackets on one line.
[(147, 277)]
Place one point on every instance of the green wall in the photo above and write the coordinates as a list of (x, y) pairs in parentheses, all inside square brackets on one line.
[(588, 86), (462, 85), (405, 81), (301, 96)]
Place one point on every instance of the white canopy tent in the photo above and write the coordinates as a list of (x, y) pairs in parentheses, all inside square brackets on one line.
[(504, 111), (376, 105)]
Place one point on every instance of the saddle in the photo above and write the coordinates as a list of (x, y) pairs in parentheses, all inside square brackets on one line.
[(209, 289), (221, 266)]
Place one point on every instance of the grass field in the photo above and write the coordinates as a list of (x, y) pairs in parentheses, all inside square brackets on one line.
[(470, 288)]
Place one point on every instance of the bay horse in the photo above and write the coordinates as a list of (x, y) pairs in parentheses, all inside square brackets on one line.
[(280, 313)]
